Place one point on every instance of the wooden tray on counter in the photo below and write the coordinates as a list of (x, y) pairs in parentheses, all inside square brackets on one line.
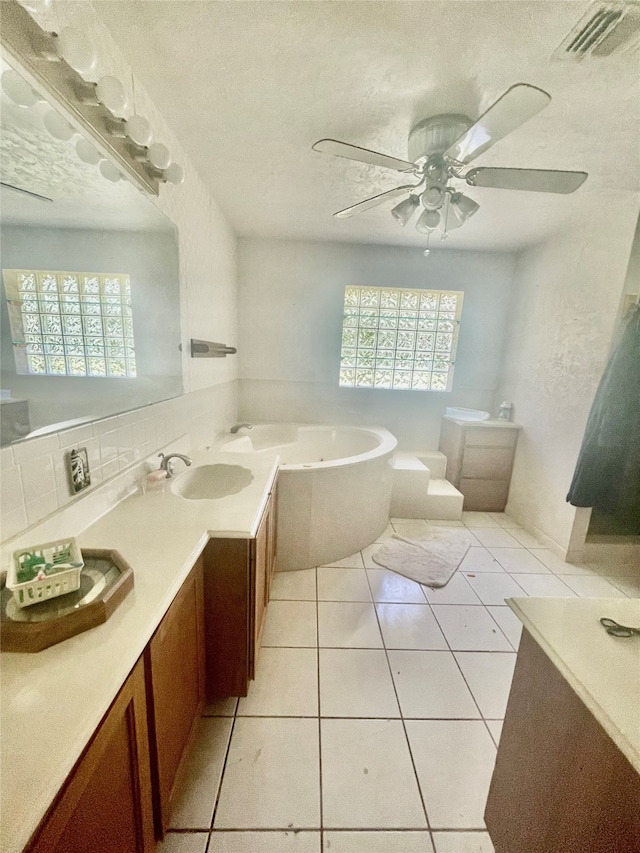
[(105, 581)]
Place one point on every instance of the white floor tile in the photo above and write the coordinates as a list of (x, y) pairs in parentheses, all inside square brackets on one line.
[(184, 842), (444, 522), (286, 684), (628, 585), (356, 683), (524, 537), (407, 841), (454, 760), (489, 676), (495, 727), (290, 623), (545, 586), (558, 566), (509, 623), (294, 586), (386, 534), (271, 779), (221, 708), (343, 585), (352, 562), (516, 560), (463, 842), (388, 586), (429, 684), (411, 527), (367, 776), (196, 797), (470, 629), (264, 842), (348, 625), (410, 626), (503, 519), (493, 588), (495, 537), (478, 519), (456, 591), (479, 560), (592, 587)]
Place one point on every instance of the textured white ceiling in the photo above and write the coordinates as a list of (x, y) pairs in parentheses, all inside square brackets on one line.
[(249, 86)]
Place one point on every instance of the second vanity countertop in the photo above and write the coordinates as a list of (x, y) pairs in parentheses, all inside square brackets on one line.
[(53, 701), (603, 671)]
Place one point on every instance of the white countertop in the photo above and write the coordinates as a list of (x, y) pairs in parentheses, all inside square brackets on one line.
[(490, 422), (604, 671), (51, 702)]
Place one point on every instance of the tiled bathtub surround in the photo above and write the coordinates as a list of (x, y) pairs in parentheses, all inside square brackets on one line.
[(34, 478), (373, 722)]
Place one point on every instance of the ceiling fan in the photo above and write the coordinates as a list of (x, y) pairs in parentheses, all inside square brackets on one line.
[(439, 149)]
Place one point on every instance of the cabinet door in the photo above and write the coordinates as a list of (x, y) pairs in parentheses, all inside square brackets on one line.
[(175, 667), (106, 803), (261, 575)]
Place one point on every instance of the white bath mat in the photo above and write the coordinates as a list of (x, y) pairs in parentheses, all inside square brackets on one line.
[(431, 561)]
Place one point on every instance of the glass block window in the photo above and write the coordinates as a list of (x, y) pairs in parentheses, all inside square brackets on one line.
[(71, 323), (398, 338)]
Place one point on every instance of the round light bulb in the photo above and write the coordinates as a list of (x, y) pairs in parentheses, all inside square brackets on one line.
[(174, 174), (18, 90), (112, 94), (426, 253), (138, 131), (109, 171), (57, 126), (76, 50), (159, 156), (427, 221), (88, 153)]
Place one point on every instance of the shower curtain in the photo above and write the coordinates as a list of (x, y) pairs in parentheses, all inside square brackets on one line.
[(607, 474)]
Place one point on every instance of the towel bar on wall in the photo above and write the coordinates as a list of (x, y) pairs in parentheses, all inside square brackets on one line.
[(210, 349)]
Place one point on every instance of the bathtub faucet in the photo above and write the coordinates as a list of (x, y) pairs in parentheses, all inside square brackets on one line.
[(234, 429)]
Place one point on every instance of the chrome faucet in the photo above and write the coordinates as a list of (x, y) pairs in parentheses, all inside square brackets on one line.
[(165, 462), (234, 429)]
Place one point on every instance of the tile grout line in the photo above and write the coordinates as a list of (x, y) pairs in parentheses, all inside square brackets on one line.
[(404, 727), (319, 717), (224, 766)]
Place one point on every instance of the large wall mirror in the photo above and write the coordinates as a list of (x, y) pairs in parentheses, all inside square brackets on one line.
[(90, 304)]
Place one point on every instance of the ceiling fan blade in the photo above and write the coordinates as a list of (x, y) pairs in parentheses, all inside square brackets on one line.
[(517, 105), (530, 180), (362, 155), (374, 201)]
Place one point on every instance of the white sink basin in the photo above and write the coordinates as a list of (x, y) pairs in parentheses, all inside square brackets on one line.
[(208, 482)]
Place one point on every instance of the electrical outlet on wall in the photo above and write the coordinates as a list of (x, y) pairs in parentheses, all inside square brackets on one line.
[(79, 469)]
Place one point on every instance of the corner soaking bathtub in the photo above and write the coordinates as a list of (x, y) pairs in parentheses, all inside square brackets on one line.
[(334, 488)]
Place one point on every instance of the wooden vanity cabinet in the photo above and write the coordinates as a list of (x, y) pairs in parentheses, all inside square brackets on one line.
[(479, 461), (106, 803), (174, 665), (237, 581)]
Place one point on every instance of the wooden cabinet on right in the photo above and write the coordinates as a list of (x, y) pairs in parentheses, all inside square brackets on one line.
[(237, 580), (479, 461)]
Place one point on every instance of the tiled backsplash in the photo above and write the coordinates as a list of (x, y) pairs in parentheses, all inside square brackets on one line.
[(34, 478)]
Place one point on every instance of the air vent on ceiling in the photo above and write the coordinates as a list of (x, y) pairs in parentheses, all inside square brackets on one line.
[(605, 29)]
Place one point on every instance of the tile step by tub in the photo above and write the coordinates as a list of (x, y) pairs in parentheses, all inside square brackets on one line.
[(410, 486), (444, 501)]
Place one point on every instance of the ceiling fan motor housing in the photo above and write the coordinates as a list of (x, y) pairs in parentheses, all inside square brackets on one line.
[(435, 135)]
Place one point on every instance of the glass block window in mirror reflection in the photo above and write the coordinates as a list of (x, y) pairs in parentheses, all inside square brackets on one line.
[(71, 323), (395, 337)]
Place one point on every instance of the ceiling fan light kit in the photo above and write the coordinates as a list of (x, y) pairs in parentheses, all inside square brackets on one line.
[(439, 148)]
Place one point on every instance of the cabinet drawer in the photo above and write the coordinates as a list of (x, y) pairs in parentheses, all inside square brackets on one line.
[(484, 495), (492, 463), (487, 437)]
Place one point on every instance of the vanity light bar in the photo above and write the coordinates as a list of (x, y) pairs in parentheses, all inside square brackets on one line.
[(96, 108)]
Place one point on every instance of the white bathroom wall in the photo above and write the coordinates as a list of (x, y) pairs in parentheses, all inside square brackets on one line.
[(207, 248), (566, 300), (290, 305)]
